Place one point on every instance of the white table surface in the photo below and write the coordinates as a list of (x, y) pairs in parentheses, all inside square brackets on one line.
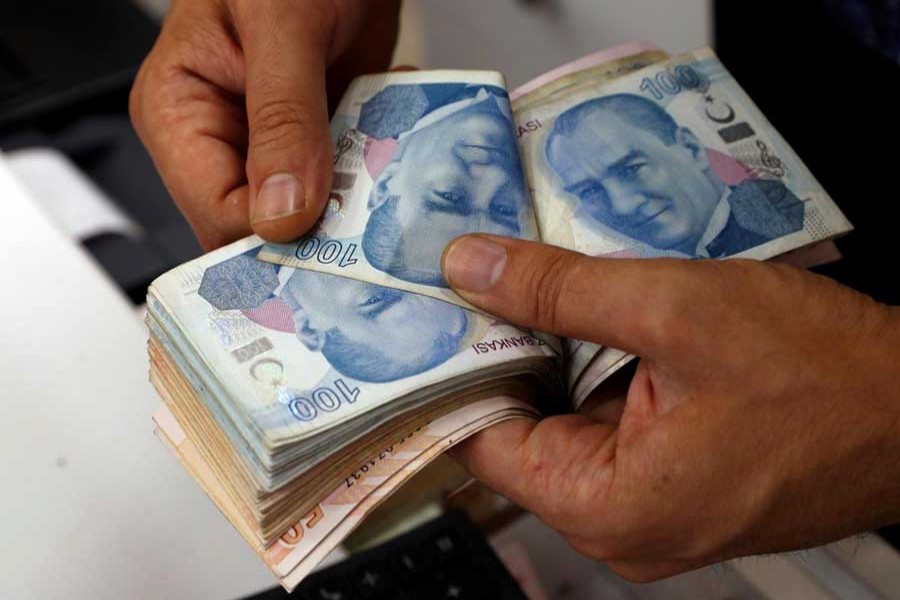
[(91, 503)]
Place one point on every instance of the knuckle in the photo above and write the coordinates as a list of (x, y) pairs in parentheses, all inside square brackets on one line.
[(279, 123), (134, 101), (146, 106), (546, 287), (155, 103), (201, 46), (146, 78)]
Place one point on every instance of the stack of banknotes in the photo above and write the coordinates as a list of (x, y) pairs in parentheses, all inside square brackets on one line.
[(303, 383)]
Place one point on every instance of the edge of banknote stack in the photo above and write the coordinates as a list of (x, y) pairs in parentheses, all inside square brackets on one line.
[(336, 472)]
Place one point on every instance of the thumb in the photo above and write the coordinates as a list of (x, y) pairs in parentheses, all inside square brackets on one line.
[(612, 302), (289, 158)]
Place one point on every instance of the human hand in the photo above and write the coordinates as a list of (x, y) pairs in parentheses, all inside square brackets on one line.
[(763, 416), (231, 103)]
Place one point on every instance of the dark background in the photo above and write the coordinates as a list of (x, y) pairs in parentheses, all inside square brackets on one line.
[(837, 104)]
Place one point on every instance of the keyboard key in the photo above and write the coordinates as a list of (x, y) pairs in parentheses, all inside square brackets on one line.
[(446, 559), (470, 583), (447, 548), (411, 566), (330, 590), (371, 580), (458, 589)]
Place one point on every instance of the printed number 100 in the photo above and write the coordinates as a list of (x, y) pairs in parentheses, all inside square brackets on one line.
[(327, 252), (671, 82), (323, 400)]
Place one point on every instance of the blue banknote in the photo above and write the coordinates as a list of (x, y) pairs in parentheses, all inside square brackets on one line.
[(421, 159), (672, 160), (281, 355)]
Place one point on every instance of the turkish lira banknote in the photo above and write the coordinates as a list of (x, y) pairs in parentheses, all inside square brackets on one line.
[(627, 153), (673, 160), (283, 367), (593, 69), (283, 355), (362, 487), (420, 158), (609, 56)]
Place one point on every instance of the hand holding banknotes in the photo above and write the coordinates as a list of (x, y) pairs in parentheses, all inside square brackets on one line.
[(304, 382), (763, 416), (231, 103)]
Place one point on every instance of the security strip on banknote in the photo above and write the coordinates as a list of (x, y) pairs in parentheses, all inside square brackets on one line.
[(303, 383)]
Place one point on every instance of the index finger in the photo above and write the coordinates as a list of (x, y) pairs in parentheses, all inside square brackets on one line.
[(539, 464), (187, 112)]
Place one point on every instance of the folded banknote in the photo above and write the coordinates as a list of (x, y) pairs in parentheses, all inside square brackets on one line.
[(303, 383), (673, 160)]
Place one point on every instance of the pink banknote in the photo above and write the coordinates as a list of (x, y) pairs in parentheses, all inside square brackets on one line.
[(586, 62)]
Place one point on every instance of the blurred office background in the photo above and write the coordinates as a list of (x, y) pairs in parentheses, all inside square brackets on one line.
[(65, 72)]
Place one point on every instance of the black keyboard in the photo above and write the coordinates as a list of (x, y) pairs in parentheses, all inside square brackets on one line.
[(444, 559)]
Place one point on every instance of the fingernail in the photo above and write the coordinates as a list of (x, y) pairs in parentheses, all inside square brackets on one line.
[(474, 263), (280, 196)]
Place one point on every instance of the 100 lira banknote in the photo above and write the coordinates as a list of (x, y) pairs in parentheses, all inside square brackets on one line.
[(421, 158), (364, 486), (297, 356), (282, 354), (673, 160)]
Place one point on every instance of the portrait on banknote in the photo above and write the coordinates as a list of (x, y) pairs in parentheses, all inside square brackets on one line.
[(455, 169), (365, 331), (632, 170), (370, 332)]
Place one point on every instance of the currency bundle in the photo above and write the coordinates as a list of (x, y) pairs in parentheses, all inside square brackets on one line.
[(303, 383)]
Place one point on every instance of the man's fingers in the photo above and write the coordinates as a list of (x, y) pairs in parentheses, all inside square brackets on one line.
[(609, 411), (215, 207), (620, 303), (646, 572), (476, 455), (539, 465), (193, 136), (289, 167), (195, 128)]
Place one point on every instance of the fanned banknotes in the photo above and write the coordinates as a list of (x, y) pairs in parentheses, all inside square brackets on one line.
[(303, 383)]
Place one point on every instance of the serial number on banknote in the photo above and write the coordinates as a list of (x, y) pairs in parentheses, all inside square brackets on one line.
[(370, 464)]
